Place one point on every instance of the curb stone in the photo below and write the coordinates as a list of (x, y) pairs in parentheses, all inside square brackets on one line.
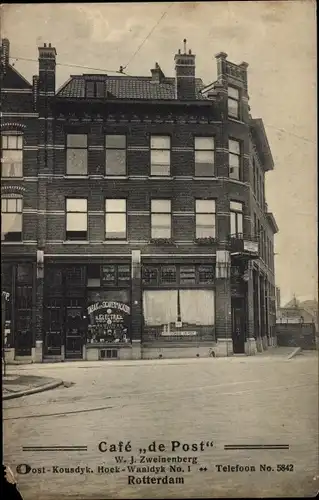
[(34, 390), (294, 352)]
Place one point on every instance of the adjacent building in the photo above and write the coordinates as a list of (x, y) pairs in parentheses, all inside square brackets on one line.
[(134, 216)]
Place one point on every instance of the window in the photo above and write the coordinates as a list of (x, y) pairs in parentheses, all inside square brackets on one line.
[(161, 219), (115, 155), (115, 219), (11, 218), (76, 219), (95, 89), (76, 156), (234, 159), (205, 219), (254, 176), (168, 274), (233, 102), (204, 156), (12, 155), (160, 155), (236, 219)]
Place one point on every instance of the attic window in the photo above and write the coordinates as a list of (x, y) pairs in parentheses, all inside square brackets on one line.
[(95, 89)]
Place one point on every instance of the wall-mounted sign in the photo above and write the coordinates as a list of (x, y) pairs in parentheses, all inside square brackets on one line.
[(179, 333), (251, 246), (109, 305)]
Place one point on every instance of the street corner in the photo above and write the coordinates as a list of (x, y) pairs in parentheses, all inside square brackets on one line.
[(18, 385)]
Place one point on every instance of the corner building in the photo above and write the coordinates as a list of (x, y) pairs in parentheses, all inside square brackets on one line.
[(134, 218)]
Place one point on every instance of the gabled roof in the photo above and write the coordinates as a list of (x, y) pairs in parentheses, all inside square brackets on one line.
[(261, 141), (12, 79), (127, 87)]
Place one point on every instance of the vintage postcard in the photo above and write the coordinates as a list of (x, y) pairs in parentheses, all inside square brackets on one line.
[(158, 250)]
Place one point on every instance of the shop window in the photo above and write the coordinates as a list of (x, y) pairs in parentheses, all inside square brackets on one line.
[(93, 275), (76, 219), (161, 219), (115, 155), (123, 274), (196, 307), (168, 275), (205, 219), (150, 275), (11, 218), (204, 156), (160, 155), (76, 154), (205, 274), (187, 275), (115, 219), (11, 155)]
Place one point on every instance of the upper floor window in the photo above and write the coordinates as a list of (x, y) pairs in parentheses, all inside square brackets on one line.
[(95, 89), (115, 155), (205, 219), (76, 219), (11, 155), (76, 156), (115, 219), (11, 218), (204, 156), (161, 219), (236, 219), (234, 159), (233, 102), (160, 154)]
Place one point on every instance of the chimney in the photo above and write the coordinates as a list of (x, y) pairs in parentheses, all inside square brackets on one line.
[(5, 53), (185, 74), (47, 64), (157, 74)]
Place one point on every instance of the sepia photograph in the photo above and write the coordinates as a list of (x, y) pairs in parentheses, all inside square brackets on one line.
[(159, 271)]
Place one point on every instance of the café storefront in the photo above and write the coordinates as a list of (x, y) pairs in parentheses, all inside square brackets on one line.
[(87, 311)]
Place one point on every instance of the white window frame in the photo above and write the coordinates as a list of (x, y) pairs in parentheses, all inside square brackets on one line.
[(74, 148), (7, 210), (108, 213), (11, 141), (234, 97), (197, 153), (80, 211), (236, 219), (159, 168), (234, 153), (116, 148), (201, 211), (156, 213)]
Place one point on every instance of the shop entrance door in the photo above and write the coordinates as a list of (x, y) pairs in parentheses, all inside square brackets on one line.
[(73, 331), (238, 325)]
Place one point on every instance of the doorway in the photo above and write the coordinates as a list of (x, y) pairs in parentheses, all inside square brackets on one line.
[(238, 325)]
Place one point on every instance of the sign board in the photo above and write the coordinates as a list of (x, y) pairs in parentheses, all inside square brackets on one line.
[(251, 246), (109, 321)]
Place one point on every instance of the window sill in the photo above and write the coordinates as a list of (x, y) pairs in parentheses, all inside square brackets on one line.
[(75, 242), (76, 176), (12, 178), (161, 241), (159, 177), (13, 242), (236, 120), (115, 242)]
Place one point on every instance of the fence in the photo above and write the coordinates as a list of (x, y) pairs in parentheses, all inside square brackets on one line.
[(296, 335)]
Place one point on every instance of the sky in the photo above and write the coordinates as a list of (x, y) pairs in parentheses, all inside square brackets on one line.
[(276, 38)]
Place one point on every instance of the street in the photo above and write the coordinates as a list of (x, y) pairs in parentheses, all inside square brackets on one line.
[(191, 409)]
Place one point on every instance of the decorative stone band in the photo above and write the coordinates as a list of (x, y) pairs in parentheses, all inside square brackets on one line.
[(12, 190), (19, 127)]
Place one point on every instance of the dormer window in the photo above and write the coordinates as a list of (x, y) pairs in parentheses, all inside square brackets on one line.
[(11, 154), (95, 89)]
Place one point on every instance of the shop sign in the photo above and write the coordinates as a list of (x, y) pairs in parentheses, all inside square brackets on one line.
[(109, 305), (179, 333)]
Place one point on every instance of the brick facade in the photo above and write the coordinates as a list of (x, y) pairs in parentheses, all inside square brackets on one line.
[(181, 108)]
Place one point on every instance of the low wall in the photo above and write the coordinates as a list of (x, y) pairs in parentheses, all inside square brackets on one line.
[(296, 335)]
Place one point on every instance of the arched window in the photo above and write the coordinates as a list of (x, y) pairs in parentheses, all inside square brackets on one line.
[(11, 153), (11, 218)]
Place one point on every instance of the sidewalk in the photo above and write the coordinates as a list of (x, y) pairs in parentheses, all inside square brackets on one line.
[(17, 385)]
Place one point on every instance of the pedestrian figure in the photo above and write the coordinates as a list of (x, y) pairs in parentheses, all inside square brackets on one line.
[(9, 485)]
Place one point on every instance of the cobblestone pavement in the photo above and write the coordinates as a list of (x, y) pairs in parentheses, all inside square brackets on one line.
[(240, 400)]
